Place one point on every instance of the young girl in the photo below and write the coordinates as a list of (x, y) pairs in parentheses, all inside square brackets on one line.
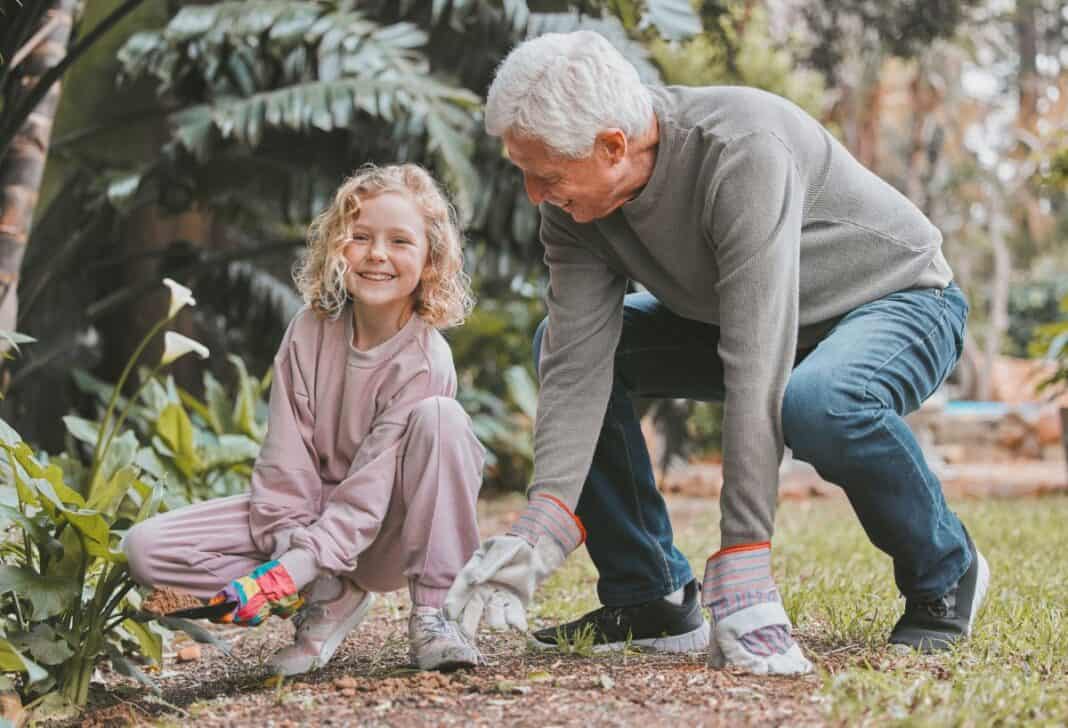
[(368, 476)]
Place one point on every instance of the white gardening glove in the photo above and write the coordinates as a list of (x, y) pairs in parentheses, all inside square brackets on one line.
[(502, 575), (750, 628)]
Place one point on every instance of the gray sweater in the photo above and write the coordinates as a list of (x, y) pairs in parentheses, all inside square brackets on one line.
[(756, 220)]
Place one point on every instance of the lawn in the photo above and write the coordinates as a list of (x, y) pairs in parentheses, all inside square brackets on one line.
[(838, 590)]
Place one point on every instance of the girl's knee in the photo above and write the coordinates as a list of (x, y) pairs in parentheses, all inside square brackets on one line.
[(438, 414), (139, 545)]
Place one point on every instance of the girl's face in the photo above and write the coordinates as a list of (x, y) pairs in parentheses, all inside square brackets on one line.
[(386, 251)]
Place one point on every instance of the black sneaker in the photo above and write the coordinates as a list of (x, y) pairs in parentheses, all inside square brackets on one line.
[(935, 626), (657, 625)]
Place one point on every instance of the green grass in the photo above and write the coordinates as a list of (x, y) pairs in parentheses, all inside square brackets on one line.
[(840, 593)]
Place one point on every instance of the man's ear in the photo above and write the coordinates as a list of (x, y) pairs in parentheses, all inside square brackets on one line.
[(611, 145)]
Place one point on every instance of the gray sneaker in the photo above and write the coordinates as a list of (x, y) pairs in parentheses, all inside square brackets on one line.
[(438, 643), (334, 608)]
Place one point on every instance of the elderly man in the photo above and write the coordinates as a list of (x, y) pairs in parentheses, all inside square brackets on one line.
[(782, 278)]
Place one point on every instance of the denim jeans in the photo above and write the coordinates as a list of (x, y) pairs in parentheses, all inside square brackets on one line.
[(842, 412)]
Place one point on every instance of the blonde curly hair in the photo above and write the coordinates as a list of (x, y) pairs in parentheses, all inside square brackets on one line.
[(443, 297)]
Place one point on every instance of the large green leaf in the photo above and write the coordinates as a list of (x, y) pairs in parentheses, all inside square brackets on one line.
[(11, 660), (106, 497), (195, 632), (49, 595), (151, 643), (82, 429), (175, 429), (43, 643)]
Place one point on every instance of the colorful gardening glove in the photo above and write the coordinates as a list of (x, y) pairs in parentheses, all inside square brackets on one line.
[(750, 628), (502, 575), (267, 590)]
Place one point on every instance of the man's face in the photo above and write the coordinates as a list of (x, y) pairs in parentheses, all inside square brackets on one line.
[(584, 188)]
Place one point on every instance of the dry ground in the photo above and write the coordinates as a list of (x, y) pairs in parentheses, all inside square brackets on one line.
[(842, 599)]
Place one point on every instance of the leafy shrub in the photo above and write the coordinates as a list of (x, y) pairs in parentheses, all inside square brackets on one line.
[(66, 596), (207, 445)]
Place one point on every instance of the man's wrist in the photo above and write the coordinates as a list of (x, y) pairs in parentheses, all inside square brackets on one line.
[(548, 516)]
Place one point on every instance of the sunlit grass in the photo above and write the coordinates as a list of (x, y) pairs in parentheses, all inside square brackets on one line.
[(839, 590)]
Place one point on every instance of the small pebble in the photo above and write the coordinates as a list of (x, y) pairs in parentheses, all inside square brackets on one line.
[(189, 653)]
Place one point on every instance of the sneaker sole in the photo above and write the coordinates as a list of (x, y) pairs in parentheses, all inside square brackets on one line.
[(335, 640), (982, 582), (693, 641)]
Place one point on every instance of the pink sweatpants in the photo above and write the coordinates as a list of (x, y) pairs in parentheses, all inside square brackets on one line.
[(428, 527)]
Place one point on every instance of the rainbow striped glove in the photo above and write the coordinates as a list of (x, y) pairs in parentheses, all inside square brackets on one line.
[(267, 590)]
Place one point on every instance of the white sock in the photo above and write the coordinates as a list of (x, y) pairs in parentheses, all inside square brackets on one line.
[(675, 597)]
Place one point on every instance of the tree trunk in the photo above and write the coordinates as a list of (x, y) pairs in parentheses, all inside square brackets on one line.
[(22, 168), (999, 300)]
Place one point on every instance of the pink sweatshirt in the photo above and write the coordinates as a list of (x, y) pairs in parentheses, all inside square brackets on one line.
[(337, 416)]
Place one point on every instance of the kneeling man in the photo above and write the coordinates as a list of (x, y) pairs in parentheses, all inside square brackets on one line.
[(782, 278)]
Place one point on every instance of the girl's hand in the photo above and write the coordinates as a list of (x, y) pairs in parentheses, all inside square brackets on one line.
[(267, 590)]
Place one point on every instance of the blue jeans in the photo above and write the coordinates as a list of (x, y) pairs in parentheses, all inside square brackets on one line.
[(842, 412)]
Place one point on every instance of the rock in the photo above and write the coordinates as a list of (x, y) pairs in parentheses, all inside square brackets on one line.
[(345, 682), (189, 653)]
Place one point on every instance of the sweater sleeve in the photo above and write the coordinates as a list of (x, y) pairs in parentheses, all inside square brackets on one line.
[(286, 486), (753, 219), (355, 510), (585, 303)]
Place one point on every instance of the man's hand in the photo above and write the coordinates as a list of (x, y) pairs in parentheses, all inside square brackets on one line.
[(267, 590), (502, 575)]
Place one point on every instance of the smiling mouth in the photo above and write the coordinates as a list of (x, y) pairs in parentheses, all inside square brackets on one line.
[(376, 276)]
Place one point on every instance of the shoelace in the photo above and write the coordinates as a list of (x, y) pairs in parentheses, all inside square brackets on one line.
[(435, 625), (308, 612), (608, 616), (940, 607)]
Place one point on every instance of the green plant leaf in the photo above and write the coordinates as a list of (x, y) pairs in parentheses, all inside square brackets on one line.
[(49, 595), (195, 632), (151, 643), (44, 644), (52, 474), (522, 389), (8, 436), (11, 660), (176, 431), (106, 497), (150, 505), (125, 667), (201, 409), (82, 429)]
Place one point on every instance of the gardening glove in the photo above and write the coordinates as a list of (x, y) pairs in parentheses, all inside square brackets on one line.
[(502, 575), (750, 628), (267, 590)]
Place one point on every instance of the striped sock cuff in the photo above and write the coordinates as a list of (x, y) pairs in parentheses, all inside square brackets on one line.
[(738, 577), (546, 515)]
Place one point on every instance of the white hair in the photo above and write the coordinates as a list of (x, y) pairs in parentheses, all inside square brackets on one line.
[(563, 89)]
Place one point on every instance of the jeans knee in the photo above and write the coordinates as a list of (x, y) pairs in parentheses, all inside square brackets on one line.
[(816, 423)]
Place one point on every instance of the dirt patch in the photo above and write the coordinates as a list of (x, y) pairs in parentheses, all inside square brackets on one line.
[(370, 682), (165, 601)]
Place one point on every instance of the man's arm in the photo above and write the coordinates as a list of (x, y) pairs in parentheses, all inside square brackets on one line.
[(585, 303), (753, 218)]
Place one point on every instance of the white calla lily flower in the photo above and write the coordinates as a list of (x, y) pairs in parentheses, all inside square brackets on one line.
[(180, 297), (176, 346)]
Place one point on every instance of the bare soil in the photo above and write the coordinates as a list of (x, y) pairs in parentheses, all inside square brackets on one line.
[(370, 683), (165, 601)]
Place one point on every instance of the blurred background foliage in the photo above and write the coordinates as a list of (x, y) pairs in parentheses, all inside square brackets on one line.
[(198, 139)]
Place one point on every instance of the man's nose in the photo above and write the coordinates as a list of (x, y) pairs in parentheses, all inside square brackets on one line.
[(535, 190)]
